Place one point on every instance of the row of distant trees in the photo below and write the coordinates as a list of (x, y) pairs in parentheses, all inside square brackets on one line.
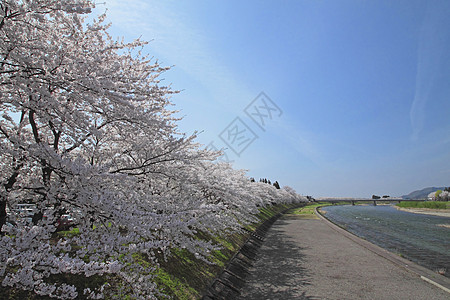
[(86, 130), (379, 197), (265, 180)]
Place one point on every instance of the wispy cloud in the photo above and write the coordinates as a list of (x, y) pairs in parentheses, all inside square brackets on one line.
[(179, 41), (300, 140), (430, 54)]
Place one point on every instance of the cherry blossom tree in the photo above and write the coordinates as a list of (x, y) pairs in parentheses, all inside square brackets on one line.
[(86, 131)]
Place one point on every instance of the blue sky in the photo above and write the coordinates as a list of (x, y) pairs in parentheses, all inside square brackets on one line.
[(363, 87)]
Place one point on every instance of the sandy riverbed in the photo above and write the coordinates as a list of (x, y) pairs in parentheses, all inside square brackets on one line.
[(427, 211)]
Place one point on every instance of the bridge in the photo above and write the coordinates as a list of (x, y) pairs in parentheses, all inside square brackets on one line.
[(354, 200)]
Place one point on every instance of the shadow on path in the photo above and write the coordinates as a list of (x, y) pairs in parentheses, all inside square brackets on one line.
[(277, 272)]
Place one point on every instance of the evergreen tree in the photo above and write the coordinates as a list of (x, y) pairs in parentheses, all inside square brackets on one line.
[(276, 185)]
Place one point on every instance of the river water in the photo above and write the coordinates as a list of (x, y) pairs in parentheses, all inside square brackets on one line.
[(420, 238)]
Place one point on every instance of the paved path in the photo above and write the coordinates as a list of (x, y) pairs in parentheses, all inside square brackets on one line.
[(308, 259)]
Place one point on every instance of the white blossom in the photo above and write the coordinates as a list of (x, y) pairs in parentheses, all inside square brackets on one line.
[(86, 131)]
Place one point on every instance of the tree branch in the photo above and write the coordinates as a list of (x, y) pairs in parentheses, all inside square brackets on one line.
[(33, 126)]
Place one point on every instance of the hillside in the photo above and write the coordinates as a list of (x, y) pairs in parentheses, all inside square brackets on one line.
[(422, 194)]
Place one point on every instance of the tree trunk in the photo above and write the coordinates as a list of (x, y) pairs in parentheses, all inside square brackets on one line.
[(2, 215)]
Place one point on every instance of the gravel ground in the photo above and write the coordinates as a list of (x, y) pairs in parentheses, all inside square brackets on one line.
[(306, 259)]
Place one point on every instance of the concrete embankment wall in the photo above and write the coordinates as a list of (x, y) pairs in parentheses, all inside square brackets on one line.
[(183, 276), (232, 278)]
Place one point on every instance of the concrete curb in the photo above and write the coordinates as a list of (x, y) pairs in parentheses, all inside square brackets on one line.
[(422, 272)]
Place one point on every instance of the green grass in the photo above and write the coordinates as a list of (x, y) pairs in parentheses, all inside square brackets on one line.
[(307, 210), (69, 233), (174, 287), (425, 204)]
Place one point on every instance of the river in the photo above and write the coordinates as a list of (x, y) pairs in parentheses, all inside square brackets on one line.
[(423, 239)]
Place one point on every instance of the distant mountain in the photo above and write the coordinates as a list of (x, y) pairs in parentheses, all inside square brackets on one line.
[(422, 194)]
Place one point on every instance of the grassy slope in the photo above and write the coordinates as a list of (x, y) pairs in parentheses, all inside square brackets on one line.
[(193, 276), (180, 276)]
